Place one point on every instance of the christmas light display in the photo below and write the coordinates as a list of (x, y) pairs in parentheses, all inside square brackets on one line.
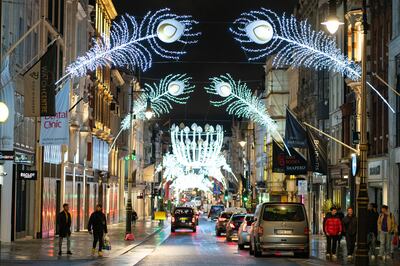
[(192, 181), (240, 101), (133, 44), (174, 88), (191, 149), (262, 33)]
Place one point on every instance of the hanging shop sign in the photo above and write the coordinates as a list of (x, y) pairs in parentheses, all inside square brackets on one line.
[(7, 155), (354, 164), (27, 175), (339, 182)]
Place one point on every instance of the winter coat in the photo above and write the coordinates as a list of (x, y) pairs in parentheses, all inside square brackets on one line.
[(372, 220), (332, 225), (391, 224), (350, 225), (97, 222), (64, 224)]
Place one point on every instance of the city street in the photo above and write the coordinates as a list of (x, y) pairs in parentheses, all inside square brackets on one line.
[(164, 248)]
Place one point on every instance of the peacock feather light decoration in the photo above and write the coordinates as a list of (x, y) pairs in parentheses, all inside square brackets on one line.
[(133, 44), (262, 33), (174, 88)]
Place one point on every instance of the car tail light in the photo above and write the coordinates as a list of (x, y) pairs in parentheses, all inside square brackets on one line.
[(221, 219), (260, 230), (173, 219), (232, 225), (306, 230), (193, 220)]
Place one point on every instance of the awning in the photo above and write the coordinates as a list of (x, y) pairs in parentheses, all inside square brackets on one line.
[(148, 173)]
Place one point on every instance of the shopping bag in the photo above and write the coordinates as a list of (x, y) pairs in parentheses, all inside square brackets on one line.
[(395, 240), (107, 244)]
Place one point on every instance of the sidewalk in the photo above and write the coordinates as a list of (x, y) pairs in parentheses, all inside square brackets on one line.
[(318, 250), (22, 251)]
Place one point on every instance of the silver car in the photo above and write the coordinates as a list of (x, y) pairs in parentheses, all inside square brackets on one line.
[(244, 231), (280, 226)]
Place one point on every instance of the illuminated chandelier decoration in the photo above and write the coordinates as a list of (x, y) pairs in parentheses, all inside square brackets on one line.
[(192, 181), (134, 44), (262, 33), (195, 148), (174, 88)]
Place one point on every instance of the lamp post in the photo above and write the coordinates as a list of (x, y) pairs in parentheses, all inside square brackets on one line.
[(332, 22), (361, 257)]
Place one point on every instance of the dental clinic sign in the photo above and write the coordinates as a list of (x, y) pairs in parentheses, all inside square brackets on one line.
[(55, 129)]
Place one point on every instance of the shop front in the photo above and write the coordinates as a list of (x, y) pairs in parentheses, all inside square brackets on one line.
[(377, 181)]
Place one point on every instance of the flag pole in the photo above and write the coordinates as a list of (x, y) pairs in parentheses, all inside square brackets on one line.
[(331, 137)]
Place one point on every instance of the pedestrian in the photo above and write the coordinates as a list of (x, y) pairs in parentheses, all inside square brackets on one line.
[(64, 228), (372, 221), (98, 223), (332, 229), (134, 217), (350, 229), (386, 229)]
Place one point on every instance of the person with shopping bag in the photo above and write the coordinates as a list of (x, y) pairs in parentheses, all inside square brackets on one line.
[(98, 224), (386, 228)]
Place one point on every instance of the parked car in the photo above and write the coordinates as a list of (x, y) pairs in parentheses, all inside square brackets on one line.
[(215, 211), (280, 226), (183, 217), (233, 225), (244, 231), (220, 224)]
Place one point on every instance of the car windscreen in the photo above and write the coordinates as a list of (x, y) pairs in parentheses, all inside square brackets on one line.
[(216, 209), (184, 212), (226, 215), (249, 218), (238, 218), (280, 212)]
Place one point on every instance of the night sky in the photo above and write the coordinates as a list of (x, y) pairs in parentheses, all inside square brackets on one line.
[(216, 52)]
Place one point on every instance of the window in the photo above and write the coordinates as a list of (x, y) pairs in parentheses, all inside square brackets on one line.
[(280, 212)]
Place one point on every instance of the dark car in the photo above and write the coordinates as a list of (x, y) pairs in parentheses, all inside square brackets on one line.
[(215, 211), (233, 225), (183, 217), (220, 225)]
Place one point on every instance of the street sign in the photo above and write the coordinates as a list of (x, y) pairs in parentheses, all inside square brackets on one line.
[(302, 187), (7, 155), (27, 175)]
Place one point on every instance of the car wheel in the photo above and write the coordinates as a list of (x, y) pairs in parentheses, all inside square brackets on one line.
[(172, 230), (241, 246), (251, 251), (218, 233), (194, 230), (257, 253), (228, 239), (305, 254)]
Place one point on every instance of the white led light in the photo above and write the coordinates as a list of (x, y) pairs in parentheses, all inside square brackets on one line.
[(223, 89), (260, 31), (170, 30), (4, 112), (176, 88)]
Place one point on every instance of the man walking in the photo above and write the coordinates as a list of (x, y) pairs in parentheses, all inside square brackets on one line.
[(372, 220), (64, 227), (350, 229), (98, 223), (386, 228), (332, 229)]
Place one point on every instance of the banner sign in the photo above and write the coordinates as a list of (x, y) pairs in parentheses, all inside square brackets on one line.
[(318, 153), (27, 175), (55, 129), (295, 134), (295, 164), (32, 91), (282, 162), (48, 72)]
